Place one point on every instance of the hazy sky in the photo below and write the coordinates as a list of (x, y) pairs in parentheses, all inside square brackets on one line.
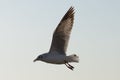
[(26, 28)]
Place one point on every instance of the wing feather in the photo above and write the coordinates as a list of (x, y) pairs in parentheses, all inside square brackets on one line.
[(62, 33)]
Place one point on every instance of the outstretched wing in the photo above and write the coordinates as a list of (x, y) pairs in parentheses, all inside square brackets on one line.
[(62, 33)]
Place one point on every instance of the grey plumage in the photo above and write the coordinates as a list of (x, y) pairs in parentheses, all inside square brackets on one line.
[(62, 33)]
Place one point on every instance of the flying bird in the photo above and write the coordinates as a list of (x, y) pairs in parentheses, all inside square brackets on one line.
[(61, 35)]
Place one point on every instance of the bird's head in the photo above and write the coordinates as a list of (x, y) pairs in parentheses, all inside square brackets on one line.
[(40, 57)]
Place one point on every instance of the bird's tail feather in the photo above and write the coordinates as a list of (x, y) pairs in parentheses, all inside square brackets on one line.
[(73, 58)]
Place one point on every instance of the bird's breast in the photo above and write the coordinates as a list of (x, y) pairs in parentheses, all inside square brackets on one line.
[(55, 59)]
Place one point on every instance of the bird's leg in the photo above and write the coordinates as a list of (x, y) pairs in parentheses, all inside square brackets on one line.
[(69, 66)]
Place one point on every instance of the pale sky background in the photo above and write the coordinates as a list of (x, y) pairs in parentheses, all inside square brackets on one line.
[(26, 28)]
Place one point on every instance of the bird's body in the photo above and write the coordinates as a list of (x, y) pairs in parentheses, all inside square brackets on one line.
[(56, 58), (61, 35)]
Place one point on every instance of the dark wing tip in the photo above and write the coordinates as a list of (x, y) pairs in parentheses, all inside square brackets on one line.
[(62, 32), (69, 13)]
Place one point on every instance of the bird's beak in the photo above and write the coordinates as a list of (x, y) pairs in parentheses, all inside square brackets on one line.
[(35, 60)]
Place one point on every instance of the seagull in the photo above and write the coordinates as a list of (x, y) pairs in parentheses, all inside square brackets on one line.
[(61, 35)]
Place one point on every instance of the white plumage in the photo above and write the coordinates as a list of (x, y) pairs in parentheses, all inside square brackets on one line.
[(57, 52)]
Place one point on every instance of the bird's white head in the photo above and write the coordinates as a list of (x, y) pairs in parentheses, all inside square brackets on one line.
[(40, 57)]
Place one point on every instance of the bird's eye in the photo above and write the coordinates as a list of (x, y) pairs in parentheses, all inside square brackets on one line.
[(41, 56)]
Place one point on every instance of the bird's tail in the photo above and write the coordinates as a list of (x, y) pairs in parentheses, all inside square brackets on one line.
[(73, 58)]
